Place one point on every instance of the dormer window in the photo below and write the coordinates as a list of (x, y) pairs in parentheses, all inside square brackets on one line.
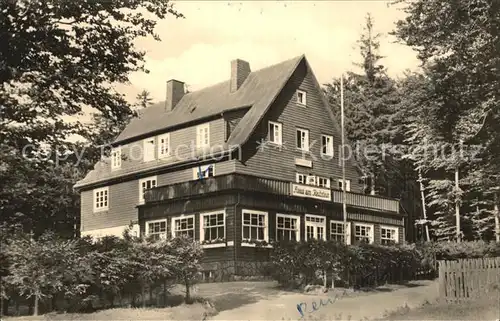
[(301, 97), (116, 158)]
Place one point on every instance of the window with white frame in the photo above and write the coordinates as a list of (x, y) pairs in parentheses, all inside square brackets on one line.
[(116, 158), (149, 149), (347, 185), (275, 133), (301, 178), (323, 182), (212, 226), (389, 235), (302, 139), (311, 180), (157, 229), (315, 227), (327, 145), (204, 171), (144, 184), (287, 227), (363, 233), (203, 136), (183, 225), (337, 231), (301, 97), (163, 145), (254, 226), (101, 199)]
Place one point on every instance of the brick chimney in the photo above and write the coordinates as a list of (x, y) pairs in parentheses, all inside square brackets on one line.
[(240, 70), (175, 92)]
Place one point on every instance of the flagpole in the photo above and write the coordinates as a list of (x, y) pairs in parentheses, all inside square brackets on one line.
[(344, 195)]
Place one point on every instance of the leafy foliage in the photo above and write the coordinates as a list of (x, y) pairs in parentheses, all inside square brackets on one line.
[(60, 62)]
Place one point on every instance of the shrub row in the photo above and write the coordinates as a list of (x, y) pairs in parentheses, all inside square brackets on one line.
[(75, 274), (295, 264)]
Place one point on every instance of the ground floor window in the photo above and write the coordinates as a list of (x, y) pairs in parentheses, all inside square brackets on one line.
[(315, 227), (287, 227), (254, 226), (212, 226), (389, 235), (183, 225), (156, 229), (337, 231), (363, 233)]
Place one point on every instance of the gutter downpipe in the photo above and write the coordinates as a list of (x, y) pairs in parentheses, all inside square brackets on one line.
[(234, 231)]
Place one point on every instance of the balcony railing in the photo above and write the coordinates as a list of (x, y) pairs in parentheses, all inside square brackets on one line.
[(259, 184)]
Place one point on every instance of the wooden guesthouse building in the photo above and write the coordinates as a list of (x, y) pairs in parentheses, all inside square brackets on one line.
[(240, 163)]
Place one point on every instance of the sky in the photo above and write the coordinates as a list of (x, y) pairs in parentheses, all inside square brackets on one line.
[(198, 49)]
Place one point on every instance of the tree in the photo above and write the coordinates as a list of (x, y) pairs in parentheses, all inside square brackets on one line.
[(458, 45), (60, 59), (144, 99), (371, 119)]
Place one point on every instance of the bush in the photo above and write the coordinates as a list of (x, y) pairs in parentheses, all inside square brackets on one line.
[(295, 264), (74, 274)]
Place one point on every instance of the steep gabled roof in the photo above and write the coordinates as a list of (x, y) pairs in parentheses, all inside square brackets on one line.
[(259, 88)]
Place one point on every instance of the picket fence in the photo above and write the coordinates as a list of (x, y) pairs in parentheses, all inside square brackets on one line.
[(469, 279)]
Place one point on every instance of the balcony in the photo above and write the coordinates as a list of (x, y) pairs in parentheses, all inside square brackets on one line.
[(259, 184)]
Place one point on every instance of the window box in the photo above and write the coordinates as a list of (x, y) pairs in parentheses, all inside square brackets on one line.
[(255, 243)]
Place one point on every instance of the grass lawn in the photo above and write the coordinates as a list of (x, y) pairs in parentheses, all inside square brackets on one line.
[(484, 309)]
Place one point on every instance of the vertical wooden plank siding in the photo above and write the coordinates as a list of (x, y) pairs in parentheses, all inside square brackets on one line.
[(469, 279)]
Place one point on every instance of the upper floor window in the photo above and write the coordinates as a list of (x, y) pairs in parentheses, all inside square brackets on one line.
[(301, 178), (144, 184), (389, 235), (149, 149), (116, 158), (203, 171), (275, 133), (163, 145), (157, 229), (323, 182), (183, 225), (303, 139), (347, 185), (101, 199), (363, 233), (203, 135), (327, 145), (301, 97)]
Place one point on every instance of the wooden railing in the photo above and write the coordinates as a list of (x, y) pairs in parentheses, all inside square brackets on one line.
[(260, 184)]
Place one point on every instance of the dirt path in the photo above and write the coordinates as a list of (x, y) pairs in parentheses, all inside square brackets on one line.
[(363, 307)]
